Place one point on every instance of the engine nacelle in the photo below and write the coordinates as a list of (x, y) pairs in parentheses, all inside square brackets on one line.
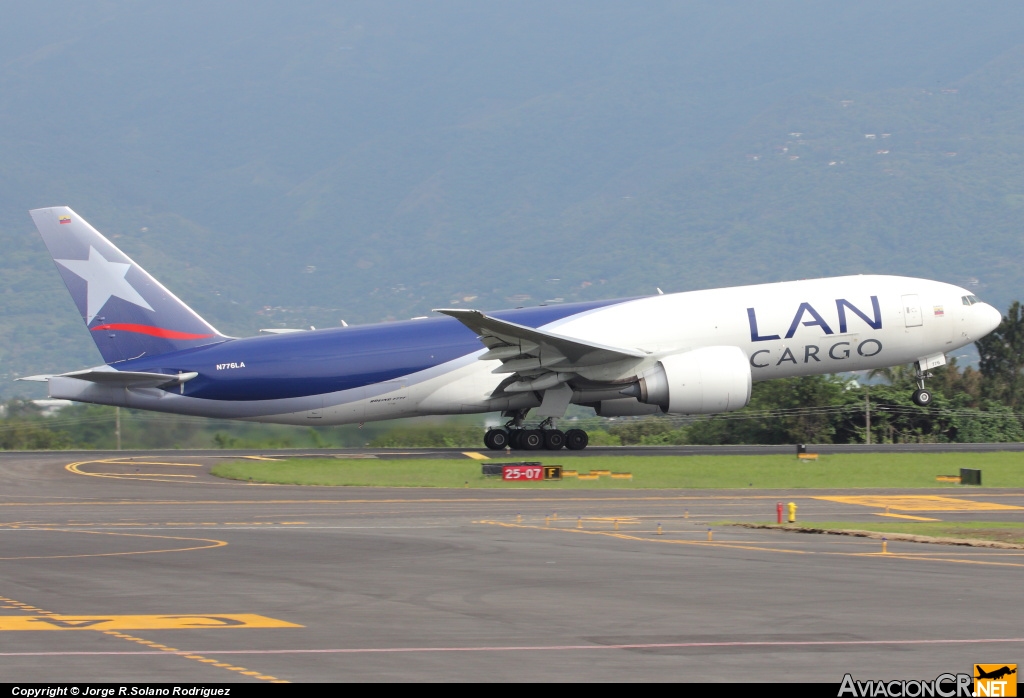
[(624, 407), (702, 381)]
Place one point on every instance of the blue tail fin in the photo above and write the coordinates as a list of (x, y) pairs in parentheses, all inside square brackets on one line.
[(128, 312)]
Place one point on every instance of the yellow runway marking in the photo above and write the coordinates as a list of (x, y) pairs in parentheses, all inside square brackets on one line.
[(920, 503), (928, 557), (147, 622), (627, 536), (211, 544), (149, 477), (74, 525), (139, 475), (424, 500), (960, 561), (123, 461), (141, 622), (88, 623), (474, 455), (906, 516)]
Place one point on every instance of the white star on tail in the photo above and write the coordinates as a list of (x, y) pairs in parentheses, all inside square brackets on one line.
[(104, 279)]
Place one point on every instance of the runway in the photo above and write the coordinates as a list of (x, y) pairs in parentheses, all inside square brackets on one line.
[(441, 453), (120, 571)]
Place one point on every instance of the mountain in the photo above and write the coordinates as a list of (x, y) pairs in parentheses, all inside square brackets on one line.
[(294, 166)]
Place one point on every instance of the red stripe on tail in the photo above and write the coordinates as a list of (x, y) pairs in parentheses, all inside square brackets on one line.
[(151, 331)]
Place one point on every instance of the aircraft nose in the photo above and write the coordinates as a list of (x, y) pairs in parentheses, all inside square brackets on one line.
[(988, 318)]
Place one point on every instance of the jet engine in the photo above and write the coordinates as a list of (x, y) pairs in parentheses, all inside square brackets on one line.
[(701, 381), (624, 407)]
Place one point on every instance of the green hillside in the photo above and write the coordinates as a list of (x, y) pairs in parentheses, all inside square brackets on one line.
[(302, 166)]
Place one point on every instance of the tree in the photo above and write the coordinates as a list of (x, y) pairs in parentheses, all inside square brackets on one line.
[(1002, 357)]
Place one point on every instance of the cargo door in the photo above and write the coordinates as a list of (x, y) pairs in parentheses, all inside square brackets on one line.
[(912, 310)]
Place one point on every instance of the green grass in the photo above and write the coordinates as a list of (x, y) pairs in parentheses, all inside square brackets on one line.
[(1004, 531), (1003, 469)]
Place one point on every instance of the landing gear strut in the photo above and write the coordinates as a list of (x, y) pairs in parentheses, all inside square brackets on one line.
[(546, 436), (921, 397)]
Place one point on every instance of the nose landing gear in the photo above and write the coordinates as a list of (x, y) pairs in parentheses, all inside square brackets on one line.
[(922, 397)]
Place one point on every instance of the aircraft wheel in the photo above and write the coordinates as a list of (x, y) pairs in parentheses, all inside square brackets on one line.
[(513, 438), (496, 439), (576, 439), (554, 439), (531, 439), (923, 398)]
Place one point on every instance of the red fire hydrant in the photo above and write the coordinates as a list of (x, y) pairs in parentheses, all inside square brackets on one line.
[(778, 511)]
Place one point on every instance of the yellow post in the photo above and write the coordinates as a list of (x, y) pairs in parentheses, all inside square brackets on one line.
[(792, 512), (547, 520), (616, 524), (554, 516), (686, 514), (709, 534), (884, 551), (579, 522), (519, 517), (659, 529)]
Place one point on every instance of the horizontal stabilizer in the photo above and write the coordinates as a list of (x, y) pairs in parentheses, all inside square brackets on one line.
[(121, 379)]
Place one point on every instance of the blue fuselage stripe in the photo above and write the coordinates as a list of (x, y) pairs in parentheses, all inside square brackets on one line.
[(302, 364)]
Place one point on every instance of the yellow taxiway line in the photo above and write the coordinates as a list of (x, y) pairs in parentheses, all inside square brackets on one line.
[(919, 503), (931, 557), (141, 622), (209, 543), (905, 516)]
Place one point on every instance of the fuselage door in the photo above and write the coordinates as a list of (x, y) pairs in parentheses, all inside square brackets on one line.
[(912, 310)]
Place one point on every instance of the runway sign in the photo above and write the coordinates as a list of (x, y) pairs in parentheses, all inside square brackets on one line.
[(522, 472)]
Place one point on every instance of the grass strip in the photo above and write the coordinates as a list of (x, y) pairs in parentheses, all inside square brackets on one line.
[(848, 470), (1002, 534)]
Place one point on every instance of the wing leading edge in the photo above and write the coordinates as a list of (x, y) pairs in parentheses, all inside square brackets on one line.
[(537, 359)]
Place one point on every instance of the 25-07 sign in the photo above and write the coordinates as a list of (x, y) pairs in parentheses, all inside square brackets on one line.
[(522, 472)]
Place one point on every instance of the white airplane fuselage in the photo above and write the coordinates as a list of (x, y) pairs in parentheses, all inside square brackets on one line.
[(795, 328)]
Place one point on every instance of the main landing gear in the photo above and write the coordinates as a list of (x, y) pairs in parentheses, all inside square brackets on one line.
[(545, 436)]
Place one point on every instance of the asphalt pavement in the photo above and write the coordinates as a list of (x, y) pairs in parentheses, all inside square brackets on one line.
[(143, 567)]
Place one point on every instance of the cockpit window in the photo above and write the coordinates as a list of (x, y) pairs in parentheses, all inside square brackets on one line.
[(970, 300)]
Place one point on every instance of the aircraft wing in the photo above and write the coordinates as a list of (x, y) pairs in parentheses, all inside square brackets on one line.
[(123, 379), (542, 359)]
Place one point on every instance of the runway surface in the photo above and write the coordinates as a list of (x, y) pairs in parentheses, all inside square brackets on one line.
[(118, 568), (731, 450)]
